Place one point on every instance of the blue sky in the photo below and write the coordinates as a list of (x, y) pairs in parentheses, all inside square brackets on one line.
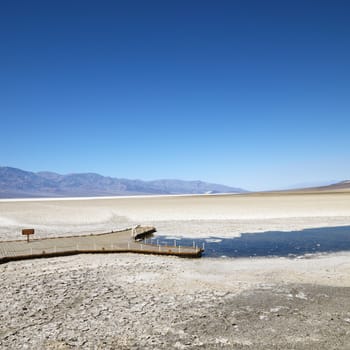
[(246, 93)]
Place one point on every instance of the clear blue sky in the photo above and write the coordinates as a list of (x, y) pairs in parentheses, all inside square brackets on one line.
[(246, 93)]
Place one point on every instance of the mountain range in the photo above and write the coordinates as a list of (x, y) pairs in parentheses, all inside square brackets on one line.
[(17, 183)]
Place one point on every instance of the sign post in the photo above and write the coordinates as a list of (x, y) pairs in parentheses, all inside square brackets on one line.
[(27, 232)]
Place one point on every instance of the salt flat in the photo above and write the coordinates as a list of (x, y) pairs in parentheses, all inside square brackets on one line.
[(191, 216), (125, 301)]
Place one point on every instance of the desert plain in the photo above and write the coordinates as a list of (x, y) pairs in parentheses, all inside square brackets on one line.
[(130, 301)]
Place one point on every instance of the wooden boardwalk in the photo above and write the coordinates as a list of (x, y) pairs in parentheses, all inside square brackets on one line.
[(112, 242)]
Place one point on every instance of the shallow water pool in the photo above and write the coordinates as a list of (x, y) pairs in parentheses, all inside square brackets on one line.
[(274, 243)]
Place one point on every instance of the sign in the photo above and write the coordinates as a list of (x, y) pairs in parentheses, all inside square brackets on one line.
[(27, 232)]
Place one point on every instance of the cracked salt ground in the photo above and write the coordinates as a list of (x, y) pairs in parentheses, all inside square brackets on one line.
[(83, 303)]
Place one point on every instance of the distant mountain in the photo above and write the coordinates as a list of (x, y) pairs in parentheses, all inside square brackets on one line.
[(343, 185), (336, 187), (17, 183), (311, 184)]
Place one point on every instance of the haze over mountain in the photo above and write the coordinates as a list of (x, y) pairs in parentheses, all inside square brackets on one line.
[(17, 183)]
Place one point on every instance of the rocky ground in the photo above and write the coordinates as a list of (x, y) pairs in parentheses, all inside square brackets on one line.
[(125, 301)]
